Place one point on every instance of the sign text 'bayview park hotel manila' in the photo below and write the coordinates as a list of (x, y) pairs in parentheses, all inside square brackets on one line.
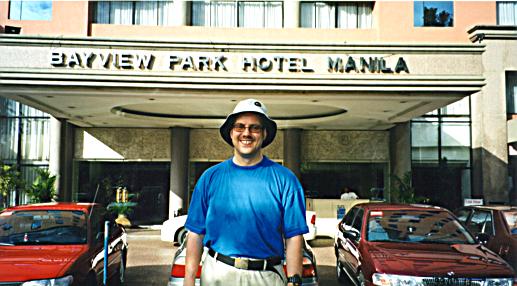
[(222, 63)]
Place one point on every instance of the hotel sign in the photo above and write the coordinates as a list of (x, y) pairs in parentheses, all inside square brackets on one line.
[(190, 62)]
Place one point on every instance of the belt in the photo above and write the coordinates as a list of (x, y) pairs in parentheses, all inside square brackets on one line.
[(245, 263)]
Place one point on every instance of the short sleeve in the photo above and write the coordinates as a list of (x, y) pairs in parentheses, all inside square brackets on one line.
[(293, 202), (196, 219)]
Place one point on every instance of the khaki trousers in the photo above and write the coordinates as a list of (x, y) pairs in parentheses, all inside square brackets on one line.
[(217, 273)]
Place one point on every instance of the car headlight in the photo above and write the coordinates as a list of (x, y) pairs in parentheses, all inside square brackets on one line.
[(499, 282), (63, 281), (381, 279)]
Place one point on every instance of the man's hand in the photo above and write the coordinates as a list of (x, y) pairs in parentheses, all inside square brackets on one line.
[(193, 257)]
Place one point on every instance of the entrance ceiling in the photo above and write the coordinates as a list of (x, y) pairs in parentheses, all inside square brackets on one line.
[(158, 107)]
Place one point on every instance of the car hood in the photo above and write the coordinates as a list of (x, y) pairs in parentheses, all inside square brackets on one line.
[(22, 263), (425, 260)]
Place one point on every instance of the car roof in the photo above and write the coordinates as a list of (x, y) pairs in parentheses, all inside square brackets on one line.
[(85, 207), (495, 207), (395, 206)]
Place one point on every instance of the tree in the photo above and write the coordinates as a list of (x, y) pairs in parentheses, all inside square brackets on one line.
[(43, 189), (443, 18), (10, 180), (430, 16)]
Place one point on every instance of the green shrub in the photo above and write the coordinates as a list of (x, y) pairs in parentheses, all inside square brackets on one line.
[(43, 189)]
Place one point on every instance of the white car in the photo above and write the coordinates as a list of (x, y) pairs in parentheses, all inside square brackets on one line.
[(173, 230), (309, 270)]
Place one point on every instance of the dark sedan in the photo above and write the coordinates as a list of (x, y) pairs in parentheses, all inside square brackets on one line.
[(392, 244), (495, 226), (59, 244)]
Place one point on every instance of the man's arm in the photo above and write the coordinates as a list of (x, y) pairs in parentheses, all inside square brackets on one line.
[(294, 255), (193, 257)]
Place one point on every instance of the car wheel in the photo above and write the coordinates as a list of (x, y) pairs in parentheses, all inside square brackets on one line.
[(182, 235), (340, 273)]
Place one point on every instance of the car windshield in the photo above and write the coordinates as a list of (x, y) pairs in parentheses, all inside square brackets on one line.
[(511, 220), (42, 227), (416, 226)]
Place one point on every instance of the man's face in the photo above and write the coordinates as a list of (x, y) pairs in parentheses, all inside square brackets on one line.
[(247, 135)]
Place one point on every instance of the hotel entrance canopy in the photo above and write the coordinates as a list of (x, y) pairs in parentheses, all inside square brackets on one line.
[(100, 82)]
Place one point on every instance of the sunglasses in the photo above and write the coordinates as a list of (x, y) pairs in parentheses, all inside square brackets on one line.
[(253, 128)]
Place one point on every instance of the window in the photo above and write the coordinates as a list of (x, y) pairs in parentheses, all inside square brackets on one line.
[(433, 13), (326, 180), (441, 154), (30, 10), (248, 14), (511, 92), (481, 222), (507, 13), (147, 183), (344, 15), (151, 13), (24, 141)]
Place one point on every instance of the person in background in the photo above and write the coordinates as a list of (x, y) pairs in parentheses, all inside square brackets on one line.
[(244, 208), (348, 194)]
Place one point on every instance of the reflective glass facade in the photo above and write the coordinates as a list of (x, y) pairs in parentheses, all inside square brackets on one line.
[(441, 154), (24, 141)]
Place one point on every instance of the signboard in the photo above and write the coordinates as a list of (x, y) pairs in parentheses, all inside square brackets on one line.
[(340, 211), (473, 202)]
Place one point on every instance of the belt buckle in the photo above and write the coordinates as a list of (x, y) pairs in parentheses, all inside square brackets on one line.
[(241, 263)]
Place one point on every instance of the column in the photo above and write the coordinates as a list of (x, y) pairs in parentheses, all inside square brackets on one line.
[(178, 194), (400, 153), (180, 13), (292, 150), (55, 147), (291, 14), (66, 160)]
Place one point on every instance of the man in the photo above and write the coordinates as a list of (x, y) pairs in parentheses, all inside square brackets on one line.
[(243, 208)]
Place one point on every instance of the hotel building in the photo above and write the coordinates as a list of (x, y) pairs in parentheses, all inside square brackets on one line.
[(131, 93)]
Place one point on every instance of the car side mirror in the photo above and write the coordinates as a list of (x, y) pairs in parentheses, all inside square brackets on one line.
[(482, 238), (352, 234)]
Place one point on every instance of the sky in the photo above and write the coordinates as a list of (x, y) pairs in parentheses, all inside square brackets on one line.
[(441, 5), (30, 10)]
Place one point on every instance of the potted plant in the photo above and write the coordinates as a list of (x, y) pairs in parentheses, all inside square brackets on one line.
[(10, 180), (402, 190), (42, 189), (122, 207)]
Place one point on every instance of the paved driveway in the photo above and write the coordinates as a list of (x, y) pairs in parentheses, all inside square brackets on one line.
[(150, 259)]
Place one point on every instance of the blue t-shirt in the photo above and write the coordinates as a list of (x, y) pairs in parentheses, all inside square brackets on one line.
[(247, 211)]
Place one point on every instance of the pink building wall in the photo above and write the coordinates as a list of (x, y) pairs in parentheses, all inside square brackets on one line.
[(69, 18), (392, 22)]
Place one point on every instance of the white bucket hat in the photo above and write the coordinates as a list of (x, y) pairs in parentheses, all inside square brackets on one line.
[(254, 106)]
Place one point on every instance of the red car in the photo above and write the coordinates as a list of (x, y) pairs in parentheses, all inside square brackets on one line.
[(496, 226), (59, 244), (394, 244)]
